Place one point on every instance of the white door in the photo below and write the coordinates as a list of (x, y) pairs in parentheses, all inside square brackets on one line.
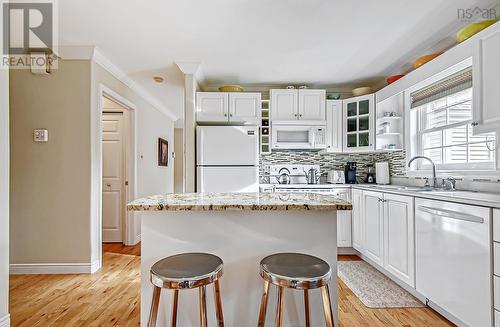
[(373, 233), (334, 125), (344, 229), (212, 106), (113, 177), (227, 179), (284, 105), (357, 221), (245, 107), (399, 217), (312, 105), (227, 146), (486, 71)]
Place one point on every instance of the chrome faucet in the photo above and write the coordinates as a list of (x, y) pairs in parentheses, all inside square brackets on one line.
[(434, 180)]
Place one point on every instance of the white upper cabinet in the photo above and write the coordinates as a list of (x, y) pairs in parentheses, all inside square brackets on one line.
[(312, 105), (212, 106), (298, 105), (358, 123), (245, 107), (486, 70), (399, 239), (228, 107), (284, 105), (334, 125), (373, 223)]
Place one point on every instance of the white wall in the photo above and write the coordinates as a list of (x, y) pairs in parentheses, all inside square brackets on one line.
[(4, 192), (150, 124)]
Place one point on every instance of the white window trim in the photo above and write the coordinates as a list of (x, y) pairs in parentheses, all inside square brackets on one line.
[(411, 139)]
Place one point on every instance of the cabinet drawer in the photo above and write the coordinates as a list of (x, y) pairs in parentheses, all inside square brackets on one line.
[(497, 318), (496, 292), (496, 259), (496, 225)]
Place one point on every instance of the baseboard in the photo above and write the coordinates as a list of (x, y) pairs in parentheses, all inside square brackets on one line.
[(95, 266), (346, 251), (53, 268), (137, 239), (5, 321)]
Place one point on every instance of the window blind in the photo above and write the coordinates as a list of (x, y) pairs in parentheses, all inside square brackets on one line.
[(455, 83)]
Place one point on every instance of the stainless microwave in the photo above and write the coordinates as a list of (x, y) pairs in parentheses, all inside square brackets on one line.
[(300, 137)]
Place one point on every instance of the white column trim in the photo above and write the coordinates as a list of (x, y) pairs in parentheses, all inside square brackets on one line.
[(53, 268)]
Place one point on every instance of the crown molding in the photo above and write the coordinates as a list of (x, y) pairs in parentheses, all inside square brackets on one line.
[(99, 58), (95, 54)]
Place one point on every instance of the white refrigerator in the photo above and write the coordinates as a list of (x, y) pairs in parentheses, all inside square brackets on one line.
[(227, 158)]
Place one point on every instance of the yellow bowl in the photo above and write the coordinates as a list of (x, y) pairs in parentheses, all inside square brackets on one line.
[(362, 91), (472, 29), (425, 59), (231, 88)]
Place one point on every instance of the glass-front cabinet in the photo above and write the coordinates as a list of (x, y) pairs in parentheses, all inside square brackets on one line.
[(358, 123)]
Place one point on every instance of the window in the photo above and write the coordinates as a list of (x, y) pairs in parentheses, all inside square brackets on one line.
[(443, 117)]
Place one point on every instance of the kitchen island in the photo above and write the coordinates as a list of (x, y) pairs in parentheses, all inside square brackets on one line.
[(240, 228)]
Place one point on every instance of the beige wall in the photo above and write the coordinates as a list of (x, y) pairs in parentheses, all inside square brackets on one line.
[(55, 186), (4, 191), (179, 162), (50, 182)]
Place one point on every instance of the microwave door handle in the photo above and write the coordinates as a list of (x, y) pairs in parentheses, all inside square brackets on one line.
[(312, 137)]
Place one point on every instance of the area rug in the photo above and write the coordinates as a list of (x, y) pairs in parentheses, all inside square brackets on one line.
[(373, 288)]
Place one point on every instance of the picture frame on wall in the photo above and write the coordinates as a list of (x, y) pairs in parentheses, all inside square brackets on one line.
[(162, 152)]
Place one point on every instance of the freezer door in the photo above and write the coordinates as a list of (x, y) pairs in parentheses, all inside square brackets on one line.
[(228, 179), (227, 145)]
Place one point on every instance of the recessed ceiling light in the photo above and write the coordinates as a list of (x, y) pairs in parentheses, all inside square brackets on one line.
[(158, 79)]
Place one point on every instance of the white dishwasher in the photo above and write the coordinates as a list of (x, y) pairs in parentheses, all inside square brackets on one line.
[(453, 259)]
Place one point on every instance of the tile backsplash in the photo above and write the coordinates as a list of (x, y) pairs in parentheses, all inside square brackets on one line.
[(333, 161)]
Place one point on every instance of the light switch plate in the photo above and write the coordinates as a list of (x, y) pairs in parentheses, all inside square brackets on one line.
[(41, 135)]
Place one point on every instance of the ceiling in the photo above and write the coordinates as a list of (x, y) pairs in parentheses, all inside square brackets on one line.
[(328, 43)]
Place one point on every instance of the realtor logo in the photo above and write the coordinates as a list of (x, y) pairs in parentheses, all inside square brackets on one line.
[(466, 14), (28, 28)]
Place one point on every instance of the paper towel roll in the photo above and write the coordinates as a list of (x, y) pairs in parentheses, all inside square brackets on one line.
[(382, 173)]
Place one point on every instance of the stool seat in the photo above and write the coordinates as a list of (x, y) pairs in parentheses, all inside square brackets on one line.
[(295, 270), (186, 270)]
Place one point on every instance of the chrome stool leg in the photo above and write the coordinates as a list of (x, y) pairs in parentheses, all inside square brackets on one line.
[(306, 308), (203, 305), (263, 305), (218, 304), (174, 308), (279, 307), (154, 307), (327, 306)]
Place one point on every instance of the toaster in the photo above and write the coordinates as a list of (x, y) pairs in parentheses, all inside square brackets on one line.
[(335, 177)]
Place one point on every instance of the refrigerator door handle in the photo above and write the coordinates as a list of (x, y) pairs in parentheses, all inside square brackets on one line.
[(451, 214)]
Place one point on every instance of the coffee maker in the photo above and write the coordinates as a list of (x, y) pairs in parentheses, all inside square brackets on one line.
[(370, 174), (350, 172)]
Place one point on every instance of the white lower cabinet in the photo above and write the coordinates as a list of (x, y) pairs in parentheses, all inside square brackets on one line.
[(357, 228), (399, 240), (373, 223), (344, 226)]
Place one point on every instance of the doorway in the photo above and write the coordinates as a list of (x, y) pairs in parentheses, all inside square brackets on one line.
[(117, 138)]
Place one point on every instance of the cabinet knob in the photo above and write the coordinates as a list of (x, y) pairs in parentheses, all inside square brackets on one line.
[(300, 115), (230, 115), (475, 123), (225, 115)]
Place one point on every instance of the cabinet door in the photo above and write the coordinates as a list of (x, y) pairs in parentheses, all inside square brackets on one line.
[(357, 222), (358, 115), (312, 105), (344, 230), (245, 107), (399, 243), (486, 71), (284, 105), (373, 232), (334, 125), (212, 106)]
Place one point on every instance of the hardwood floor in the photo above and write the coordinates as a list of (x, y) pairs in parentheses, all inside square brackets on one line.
[(111, 298)]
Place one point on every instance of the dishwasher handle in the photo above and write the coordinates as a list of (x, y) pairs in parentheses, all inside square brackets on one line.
[(452, 214)]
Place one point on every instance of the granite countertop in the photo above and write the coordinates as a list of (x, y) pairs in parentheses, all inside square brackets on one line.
[(238, 201)]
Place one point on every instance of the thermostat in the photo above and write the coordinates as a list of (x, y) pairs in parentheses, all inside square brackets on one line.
[(41, 135)]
